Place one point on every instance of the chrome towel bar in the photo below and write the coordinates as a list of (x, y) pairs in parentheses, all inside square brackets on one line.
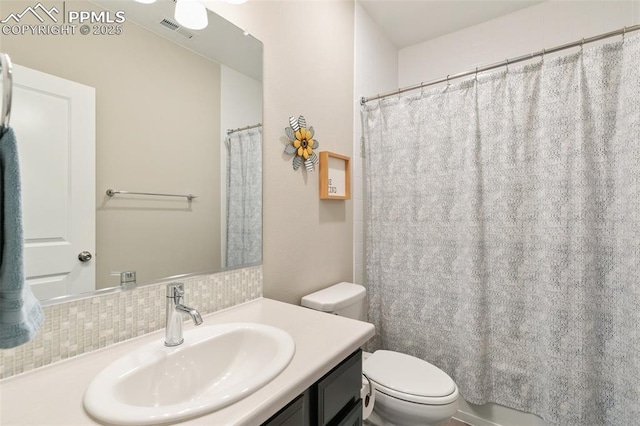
[(112, 192)]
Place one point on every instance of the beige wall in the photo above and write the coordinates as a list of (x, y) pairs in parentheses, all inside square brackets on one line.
[(308, 70), (158, 127)]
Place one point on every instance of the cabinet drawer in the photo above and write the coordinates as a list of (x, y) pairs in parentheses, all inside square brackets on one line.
[(339, 388), (353, 417), (296, 413)]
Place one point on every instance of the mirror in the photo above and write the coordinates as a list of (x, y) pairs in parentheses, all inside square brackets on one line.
[(165, 98)]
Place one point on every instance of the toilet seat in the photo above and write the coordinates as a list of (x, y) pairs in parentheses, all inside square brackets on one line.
[(409, 379)]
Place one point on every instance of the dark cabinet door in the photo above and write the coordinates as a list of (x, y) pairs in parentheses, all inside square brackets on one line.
[(334, 400), (338, 389), (353, 417), (296, 413)]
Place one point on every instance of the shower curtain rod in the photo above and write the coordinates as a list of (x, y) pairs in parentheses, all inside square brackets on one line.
[(506, 62), (229, 131)]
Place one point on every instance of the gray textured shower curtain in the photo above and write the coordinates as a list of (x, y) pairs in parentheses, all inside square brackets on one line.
[(503, 233), (244, 197)]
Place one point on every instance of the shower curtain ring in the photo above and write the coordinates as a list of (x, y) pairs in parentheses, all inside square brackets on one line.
[(507, 65), (624, 30), (476, 73), (399, 91), (447, 80), (582, 45), (544, 51)]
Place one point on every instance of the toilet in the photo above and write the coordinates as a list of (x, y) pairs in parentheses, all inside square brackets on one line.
[(407, 391)]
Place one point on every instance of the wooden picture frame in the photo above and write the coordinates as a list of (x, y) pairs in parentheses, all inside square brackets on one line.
[(335, 176)]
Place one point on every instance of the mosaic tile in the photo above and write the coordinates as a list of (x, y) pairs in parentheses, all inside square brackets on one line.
[(80, 326)]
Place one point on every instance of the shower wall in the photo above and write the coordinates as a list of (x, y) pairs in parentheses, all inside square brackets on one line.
[(545, 25)]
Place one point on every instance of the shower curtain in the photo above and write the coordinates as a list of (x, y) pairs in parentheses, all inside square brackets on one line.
[(503, 233), (244, 197)]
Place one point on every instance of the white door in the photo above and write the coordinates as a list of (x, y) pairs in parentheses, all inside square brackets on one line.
[(54, 122)]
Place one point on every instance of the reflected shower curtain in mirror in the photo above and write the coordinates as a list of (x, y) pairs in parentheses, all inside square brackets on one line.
[(503, 233), (244, 197)]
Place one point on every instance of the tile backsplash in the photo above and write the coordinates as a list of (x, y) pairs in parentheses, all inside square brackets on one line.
[(80, 326)]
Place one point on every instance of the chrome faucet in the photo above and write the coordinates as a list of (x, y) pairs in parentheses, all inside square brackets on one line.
[(175, 309)]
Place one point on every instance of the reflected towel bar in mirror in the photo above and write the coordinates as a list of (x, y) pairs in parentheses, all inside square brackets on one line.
[(112, 192)]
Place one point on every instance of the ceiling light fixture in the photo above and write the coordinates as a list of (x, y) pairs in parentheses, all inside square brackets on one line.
[(191, 14), (146, 1)]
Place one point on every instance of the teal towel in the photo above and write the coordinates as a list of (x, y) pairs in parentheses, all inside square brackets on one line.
[(20, 312)]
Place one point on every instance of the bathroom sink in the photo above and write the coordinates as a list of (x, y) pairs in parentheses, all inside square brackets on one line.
[(216, 366)]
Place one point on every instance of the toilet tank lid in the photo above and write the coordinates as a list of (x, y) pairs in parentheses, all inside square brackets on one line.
[(334, 298)]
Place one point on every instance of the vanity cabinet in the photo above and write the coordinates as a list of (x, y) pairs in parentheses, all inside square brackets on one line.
[(296, 413), (334, 400)]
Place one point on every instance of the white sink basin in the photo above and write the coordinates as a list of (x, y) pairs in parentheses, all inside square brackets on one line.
[(216, 366)]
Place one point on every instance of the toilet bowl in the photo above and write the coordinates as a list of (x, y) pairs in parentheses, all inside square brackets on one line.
[(407, 391)]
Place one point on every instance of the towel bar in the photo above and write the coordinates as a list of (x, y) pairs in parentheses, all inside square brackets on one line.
[(112, 192)]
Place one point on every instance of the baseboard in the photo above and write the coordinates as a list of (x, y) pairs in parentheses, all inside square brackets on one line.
[(473, 420), (491, 414)]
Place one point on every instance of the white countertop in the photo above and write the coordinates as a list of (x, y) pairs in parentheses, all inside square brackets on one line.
[(53, 395)]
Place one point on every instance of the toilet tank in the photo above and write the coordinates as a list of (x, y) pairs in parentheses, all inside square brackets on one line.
[(344, 299)]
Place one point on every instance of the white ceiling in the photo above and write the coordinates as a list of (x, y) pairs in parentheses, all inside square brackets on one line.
[(407, 22), (220, 41)]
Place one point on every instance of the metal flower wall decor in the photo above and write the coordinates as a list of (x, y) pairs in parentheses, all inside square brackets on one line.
[(302, 144)]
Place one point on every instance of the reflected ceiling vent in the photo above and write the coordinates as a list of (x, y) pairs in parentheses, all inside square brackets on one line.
[(175, 27)]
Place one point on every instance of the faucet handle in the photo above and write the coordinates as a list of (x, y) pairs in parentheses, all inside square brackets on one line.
[(175, 290)]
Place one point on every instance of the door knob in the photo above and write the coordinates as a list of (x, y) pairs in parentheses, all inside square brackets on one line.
[(84, 256)]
